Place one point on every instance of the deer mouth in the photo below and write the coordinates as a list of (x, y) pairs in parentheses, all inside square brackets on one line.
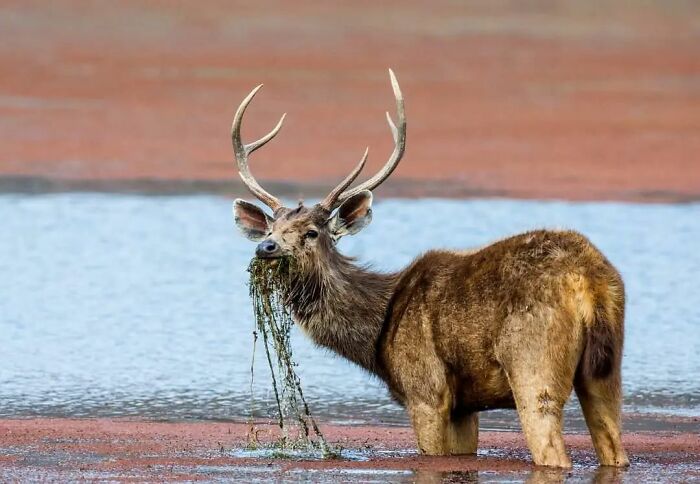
[(269, 270), (271, 256), (270, 260), (274, 260)]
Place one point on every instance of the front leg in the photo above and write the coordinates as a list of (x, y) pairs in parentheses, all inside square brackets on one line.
[(463, 434), (438, 434), (431, 425)]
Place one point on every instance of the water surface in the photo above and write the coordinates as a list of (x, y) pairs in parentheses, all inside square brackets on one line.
[(138, 306)]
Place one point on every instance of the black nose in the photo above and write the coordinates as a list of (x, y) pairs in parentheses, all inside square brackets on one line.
[(267, 248)]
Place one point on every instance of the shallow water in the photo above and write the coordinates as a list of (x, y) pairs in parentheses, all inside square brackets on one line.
[(138, 306), (641, 471)]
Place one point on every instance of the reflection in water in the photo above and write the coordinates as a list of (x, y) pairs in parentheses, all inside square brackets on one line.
[(435, 477), (138, 306), (600, 475), (604, 475), (547, 476)]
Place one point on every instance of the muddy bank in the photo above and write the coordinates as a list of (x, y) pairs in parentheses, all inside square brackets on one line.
[(575, 101), (65, 448), (398, 188)]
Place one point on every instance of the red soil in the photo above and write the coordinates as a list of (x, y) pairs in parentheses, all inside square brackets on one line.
[(537, 99), (148, 449)]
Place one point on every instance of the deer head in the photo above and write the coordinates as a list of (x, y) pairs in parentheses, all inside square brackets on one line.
[(309, 233)]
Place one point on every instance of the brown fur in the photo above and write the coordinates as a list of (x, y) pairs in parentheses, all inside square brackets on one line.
[(516, 324)]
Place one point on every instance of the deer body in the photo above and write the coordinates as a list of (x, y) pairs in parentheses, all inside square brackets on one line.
[(517, 324)]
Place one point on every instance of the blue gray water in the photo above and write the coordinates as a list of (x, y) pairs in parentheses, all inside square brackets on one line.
[(117, 305)]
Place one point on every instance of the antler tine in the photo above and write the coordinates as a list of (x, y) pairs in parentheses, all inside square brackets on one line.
[(329, 202), (398, 132), (242, 151), (392, 126)]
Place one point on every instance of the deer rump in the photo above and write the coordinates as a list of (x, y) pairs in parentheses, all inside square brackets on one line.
[(458, 323)]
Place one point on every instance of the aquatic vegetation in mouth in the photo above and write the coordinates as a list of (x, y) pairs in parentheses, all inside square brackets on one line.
[(269, 288)]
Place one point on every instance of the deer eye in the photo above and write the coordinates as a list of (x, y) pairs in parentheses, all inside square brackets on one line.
[(311, 234)]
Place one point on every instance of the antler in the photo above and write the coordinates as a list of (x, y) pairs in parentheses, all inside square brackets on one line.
[(329, 203), (242, 151), (338, 195)]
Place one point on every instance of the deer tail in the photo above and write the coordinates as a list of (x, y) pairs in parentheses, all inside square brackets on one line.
[(603, 351)]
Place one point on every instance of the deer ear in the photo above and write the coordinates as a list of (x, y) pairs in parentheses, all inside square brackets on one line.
[(352, 216), (251, 220)]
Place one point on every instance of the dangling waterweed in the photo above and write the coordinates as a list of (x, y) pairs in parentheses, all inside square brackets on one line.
[(270, 282)]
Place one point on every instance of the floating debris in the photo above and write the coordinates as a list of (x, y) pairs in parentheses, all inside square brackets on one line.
[(270, 282)]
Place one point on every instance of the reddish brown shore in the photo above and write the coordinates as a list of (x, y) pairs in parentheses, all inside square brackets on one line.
[(133, 450), (573, 100)]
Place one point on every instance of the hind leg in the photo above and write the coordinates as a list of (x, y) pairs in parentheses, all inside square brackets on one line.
[(541, 412), (539, 353), (601, 403), (540, 394), (463, 434)]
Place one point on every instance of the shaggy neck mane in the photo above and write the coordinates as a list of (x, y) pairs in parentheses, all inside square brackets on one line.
[(342, 306)]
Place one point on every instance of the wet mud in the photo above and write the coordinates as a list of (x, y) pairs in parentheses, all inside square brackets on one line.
[(65, 449)]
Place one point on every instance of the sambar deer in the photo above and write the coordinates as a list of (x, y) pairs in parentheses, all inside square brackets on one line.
[(515, 324)]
